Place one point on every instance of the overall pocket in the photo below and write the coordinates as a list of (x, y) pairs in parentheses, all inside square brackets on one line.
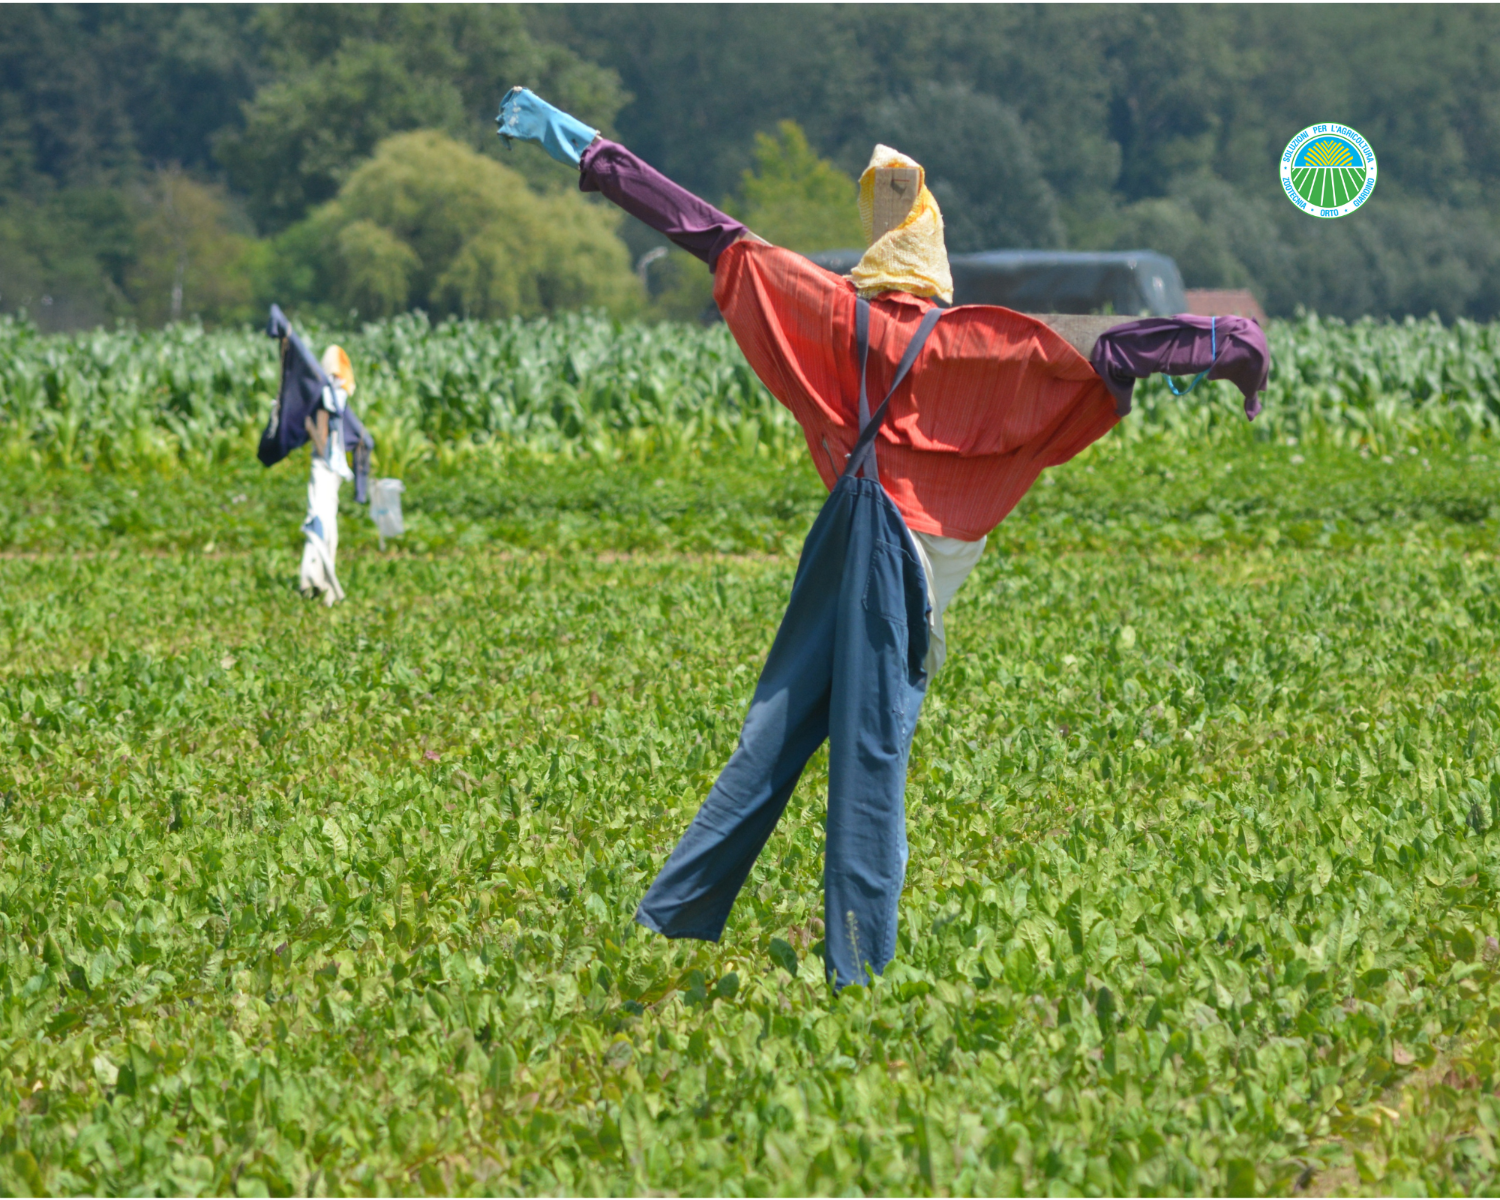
[(894, 586), (896, 589)]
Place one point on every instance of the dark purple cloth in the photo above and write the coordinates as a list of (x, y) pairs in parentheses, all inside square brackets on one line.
[(1182, 345), (300, 396), (645, 193)]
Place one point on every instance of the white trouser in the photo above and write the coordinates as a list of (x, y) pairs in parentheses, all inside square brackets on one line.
[(321, 530), (946, 562)]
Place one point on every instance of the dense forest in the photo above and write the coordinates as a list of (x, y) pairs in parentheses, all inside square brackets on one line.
[(172, 162)]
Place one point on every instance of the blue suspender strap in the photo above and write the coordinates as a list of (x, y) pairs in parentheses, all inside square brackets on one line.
[(863, 453), (1213, 343), (862, 334)]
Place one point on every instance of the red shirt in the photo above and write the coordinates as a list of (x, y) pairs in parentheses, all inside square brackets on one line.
[(993, 399)]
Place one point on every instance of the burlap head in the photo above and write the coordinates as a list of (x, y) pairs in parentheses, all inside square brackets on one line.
[(911, 257)]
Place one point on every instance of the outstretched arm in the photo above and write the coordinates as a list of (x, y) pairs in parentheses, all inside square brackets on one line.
[(613, 171), (1232, 348)]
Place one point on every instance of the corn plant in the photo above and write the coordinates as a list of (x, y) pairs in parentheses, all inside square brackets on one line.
[(580, 384)]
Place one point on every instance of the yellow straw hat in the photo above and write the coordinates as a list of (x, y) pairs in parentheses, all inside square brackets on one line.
[(336, 363), (911, 257)]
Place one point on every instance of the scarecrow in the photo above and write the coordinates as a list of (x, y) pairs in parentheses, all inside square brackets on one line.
[(928, 425), (312, 405)]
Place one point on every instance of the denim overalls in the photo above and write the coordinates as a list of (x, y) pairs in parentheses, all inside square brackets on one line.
[(846, 665)]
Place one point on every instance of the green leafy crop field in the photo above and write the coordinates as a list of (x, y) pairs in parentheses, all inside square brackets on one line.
[(1202, 814)]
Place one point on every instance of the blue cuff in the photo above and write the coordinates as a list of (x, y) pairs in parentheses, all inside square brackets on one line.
[(525, 115)]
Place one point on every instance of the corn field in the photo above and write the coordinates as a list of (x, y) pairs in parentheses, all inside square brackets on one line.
[(581, 384)]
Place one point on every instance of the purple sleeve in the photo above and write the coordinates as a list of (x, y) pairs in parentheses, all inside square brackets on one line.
[(1184, 345), (645, 193)]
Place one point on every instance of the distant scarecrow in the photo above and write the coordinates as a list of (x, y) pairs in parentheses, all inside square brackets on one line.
[(965, 407), (312, 405)]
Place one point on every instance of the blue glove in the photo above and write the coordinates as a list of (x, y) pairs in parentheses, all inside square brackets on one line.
[(525, 115)]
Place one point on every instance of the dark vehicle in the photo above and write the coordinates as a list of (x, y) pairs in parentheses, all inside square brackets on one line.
[(1131, 283)]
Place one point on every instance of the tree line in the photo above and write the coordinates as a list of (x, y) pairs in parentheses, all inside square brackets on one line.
[(164, 162)]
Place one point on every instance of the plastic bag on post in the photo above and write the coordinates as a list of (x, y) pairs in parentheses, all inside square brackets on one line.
[(385, 508)]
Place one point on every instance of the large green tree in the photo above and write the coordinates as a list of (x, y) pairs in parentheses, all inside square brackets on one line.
[(1119, 98), (348, 76), (93, 99), (1076, 125), (428, 223), (980, 165), (796, 199), (99, 104), (1121, 125), (91, 93)]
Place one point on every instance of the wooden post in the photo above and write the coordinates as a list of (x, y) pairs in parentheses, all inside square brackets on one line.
[(896, 191), (1079, 330)]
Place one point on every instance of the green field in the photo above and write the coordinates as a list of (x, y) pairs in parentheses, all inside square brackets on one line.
[(1328, 187), (1202, 810)]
